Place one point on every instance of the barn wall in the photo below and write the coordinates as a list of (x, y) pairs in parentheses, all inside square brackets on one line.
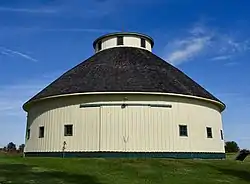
[(131, 129)]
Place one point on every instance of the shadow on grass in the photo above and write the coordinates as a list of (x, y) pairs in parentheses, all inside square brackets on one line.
[(232, 170), (242, 174), (22, 174), (222, 167)]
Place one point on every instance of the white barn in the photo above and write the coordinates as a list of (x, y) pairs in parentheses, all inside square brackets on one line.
[(124, 101)]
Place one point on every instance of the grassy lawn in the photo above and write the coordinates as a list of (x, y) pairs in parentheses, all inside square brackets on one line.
[(19, 170)]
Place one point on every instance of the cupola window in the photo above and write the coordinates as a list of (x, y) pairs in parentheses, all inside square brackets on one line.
[(143, 43), (120, 40), (99, 46)]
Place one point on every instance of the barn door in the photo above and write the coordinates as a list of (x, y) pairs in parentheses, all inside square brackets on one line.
[(137, 128), (125, 129), (112, 129)]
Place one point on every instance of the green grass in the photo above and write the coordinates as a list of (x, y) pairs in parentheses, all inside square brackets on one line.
[(17, 170)]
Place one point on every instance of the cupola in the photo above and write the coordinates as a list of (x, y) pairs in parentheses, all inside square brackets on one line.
[(123, 39)]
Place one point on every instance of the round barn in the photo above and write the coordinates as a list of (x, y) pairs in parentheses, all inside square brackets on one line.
[(124, 101)]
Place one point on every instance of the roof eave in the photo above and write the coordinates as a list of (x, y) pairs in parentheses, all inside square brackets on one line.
[(220, 104)]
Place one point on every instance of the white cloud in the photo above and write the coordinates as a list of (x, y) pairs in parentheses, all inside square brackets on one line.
[(25, 10), (187, 49), (233, 44), (18, 53), (200, 40), (19, 30), (225, 57), (12, 97), (231, 64), (76, 30), (5, 53)]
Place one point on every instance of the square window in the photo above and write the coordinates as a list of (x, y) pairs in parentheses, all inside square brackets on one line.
[(183, 130), (143, 43), (209, 132), (68, 130), (28, 134), (221, 135), (120, 40), (41, 132)]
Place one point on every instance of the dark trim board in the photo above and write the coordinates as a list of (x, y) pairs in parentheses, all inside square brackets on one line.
[(124, 104), (178, 155)]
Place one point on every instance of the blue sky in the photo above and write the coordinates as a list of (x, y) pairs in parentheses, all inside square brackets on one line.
[(208, 40)]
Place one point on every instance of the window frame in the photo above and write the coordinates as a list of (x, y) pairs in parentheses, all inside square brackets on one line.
[(120, 40), (143, 42), (183, 133), (211, 132), (66, 133), (41, 133)]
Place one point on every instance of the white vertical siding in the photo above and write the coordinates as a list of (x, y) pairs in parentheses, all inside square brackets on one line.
[(88, 130), (133, 128), (148, 45), (85, 129), (112, 129), (132, 41), (137, 124), (109, 43)]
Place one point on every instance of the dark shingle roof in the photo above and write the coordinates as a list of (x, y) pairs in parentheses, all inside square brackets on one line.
[(124, 69)]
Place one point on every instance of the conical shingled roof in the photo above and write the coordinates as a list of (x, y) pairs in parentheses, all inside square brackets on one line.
[(124, 69)]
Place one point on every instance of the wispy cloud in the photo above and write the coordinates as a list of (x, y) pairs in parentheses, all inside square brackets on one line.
[(12, 97), (5, 53), (186, 49), (77, 30), (225, 57), (201, 40), (56, 29), (24, 10), (11, 101), (241, 98), (231, 64), (10, 52), (83, 9)]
